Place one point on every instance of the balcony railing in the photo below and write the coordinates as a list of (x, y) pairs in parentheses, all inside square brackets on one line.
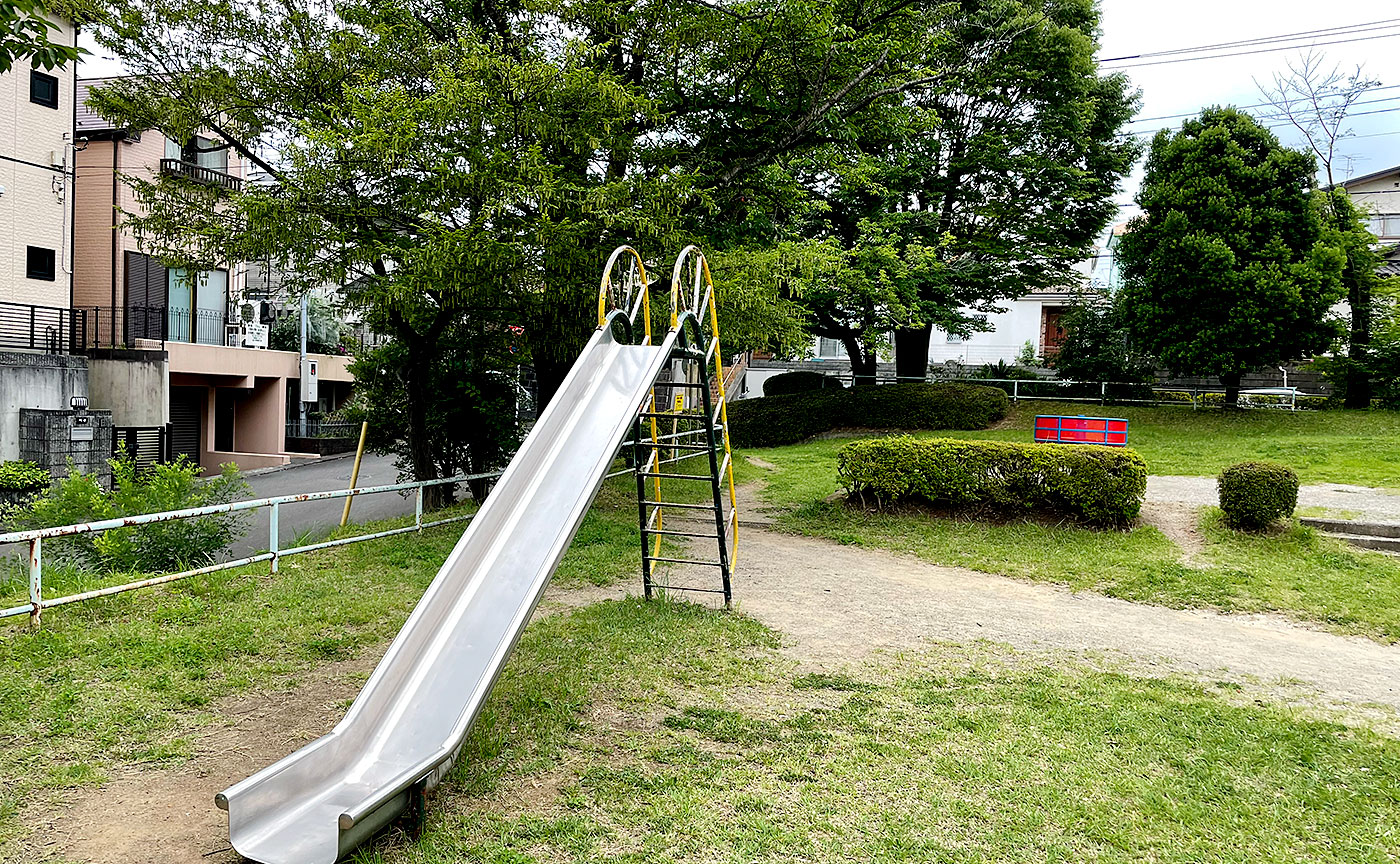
[(200, 174), (51, 329), (202, 326)]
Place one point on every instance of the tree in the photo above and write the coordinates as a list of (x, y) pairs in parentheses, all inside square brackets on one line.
[(1010, 168), (1096, 345), (24, 35), (466, 166), (1230, 267), (1317, 103)]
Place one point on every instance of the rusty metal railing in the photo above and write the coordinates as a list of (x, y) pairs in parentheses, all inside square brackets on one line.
[(36, 537)]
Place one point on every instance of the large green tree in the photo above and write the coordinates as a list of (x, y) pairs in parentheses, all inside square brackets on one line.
[(1007, 171), (465, 167), (1231, 266)]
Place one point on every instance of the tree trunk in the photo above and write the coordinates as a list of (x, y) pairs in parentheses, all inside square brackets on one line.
[(420, 448), (911, 353), (1232, 389), (1358, 377), (863, 363)]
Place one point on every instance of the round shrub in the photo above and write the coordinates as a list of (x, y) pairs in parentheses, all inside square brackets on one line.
[(1254, 495), (799, 382)]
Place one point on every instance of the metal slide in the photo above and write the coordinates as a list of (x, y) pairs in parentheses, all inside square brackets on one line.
[(403, 731)]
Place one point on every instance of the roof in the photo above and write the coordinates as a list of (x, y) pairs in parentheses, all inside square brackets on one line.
[(1390, 261), (88, 120), (1372, 176)]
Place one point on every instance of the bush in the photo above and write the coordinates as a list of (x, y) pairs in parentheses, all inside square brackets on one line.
[(799, 382), (22, 477), (158, 547), (1254, 495), (777, 420), (1098, 485)]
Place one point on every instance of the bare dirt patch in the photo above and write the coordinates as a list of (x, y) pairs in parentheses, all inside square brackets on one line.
[(1179, 522), (167, 815)]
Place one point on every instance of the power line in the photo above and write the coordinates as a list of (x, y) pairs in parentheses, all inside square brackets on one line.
[(1288, 125), (1239, 43), (1257, 51), (1272, 104)]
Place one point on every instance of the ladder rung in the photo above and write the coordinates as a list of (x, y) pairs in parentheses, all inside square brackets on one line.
[(666, 476), (709, 507), (686, 561), (681, 588), (663, 446), (669, 533), (671, 415), (690, 384)]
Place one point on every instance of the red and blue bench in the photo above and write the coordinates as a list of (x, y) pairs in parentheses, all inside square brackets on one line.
[(1057, 429)]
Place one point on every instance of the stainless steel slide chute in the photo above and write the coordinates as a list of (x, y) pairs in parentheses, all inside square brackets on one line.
[(405, 728)]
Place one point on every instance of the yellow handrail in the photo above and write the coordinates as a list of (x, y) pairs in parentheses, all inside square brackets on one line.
[(631, 307), (701, 280)]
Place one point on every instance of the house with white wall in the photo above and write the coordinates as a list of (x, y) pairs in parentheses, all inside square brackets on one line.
[(1378, 194)]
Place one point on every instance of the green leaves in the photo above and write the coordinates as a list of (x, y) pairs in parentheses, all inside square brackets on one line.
[(25, 34), (1230, 268)]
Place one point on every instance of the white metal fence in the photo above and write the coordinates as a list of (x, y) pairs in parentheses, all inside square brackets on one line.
[(35, 539)]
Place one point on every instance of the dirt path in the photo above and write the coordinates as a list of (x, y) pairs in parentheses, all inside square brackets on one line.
[(1365, 502), (840, 603)]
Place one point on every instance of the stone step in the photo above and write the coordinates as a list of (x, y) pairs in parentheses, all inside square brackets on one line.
[(1369, 541), (1388, 530)]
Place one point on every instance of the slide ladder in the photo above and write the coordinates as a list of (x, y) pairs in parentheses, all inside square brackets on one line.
[(687, 418), (404, 731)]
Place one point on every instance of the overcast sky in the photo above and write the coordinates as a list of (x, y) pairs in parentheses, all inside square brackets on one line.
[(1137, 27), (1134, 27)]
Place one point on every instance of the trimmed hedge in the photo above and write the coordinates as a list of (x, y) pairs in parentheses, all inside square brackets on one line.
[(1254, 495), (777, 420), (799, 382), (1098, 485)]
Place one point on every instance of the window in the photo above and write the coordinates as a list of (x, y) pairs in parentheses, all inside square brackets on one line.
[(39, 264), (830, 349), (955, 339), (43, 89)]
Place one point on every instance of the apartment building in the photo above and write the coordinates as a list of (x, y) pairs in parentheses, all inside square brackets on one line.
[(228, 396), (36, 139)]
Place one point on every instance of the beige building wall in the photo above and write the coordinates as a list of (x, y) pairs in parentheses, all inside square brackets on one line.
[(1379, 196), (34, 171)]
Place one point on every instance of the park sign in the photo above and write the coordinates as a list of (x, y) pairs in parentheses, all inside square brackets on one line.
[(1057, 429)]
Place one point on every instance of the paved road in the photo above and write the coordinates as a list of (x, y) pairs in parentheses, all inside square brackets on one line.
[(1360, 502), (318, 517)]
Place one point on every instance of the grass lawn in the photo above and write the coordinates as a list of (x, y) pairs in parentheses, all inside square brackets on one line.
[(1361, 447), (680, 737), (125, 679), (1296, 571)]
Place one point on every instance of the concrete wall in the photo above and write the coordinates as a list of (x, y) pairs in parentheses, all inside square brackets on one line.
[(34, 209), (44, 381), (133, 385), (52, 440)]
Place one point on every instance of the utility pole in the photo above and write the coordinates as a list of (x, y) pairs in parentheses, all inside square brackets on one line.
[(301, 396)]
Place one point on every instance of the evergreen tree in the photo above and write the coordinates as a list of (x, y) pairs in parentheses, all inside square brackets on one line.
[(1230, 267)]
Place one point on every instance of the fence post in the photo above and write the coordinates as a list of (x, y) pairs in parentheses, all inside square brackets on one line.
[(272, 530), (418, 509), (1015, 390), (36, 582), (1103, 392)]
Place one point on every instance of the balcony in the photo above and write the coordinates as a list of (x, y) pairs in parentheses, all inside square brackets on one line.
[(200, 174)]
